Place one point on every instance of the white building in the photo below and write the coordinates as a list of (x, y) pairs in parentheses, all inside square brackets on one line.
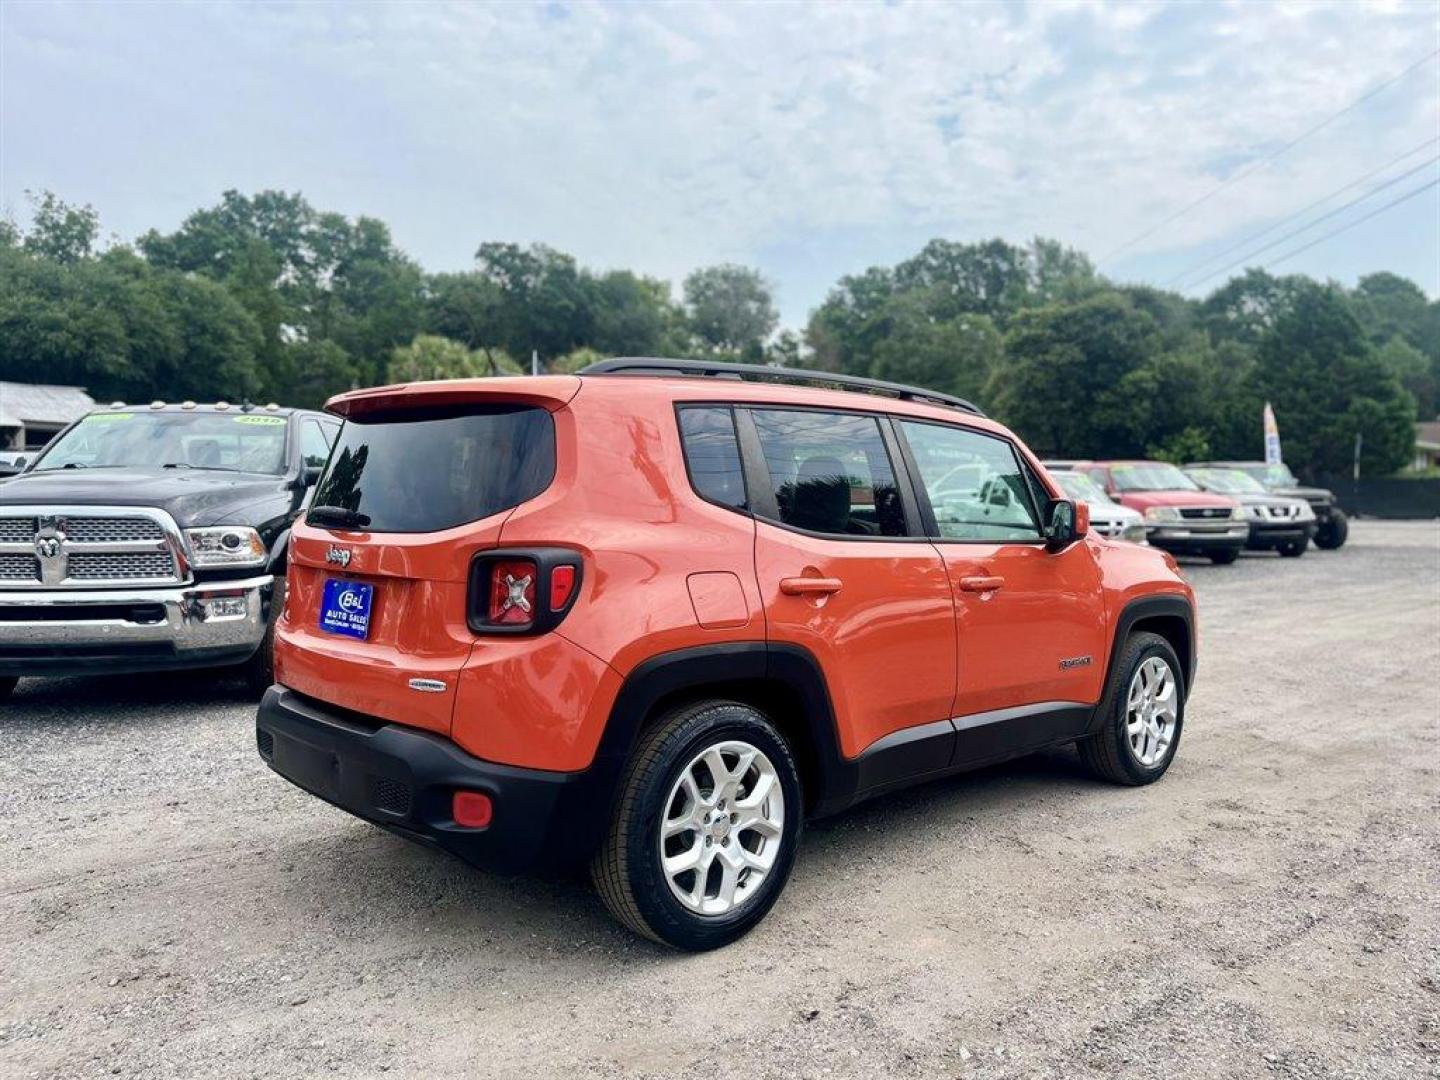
[(31, 415)]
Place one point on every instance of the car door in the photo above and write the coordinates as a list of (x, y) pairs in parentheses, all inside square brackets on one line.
[(1030, 622), (846, 574)]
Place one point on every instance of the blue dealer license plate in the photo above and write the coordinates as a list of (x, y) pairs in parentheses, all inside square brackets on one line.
[(345, 608)]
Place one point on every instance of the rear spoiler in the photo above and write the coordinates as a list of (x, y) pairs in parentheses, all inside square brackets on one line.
[(547, 391)]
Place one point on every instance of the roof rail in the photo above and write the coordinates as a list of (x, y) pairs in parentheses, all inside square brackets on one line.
[(646, 365)]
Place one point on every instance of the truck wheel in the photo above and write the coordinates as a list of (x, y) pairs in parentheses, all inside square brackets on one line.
[(705, 832), (1294, 549), (7, 684), (1225, 556), (259, 670), (1333, 533), (1144, 713)]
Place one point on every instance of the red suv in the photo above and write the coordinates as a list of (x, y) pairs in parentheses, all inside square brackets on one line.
[(1180, 516), (652, 621)]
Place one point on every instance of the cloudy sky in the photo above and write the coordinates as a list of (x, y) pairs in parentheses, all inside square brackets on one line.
[(808, 140)]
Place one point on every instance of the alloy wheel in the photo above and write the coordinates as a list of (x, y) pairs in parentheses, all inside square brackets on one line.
[(722, 827), (1151, 711)]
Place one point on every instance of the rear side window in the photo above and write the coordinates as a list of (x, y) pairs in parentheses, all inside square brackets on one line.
[(975, 484), (830, 472), (425, 470), (712, 454)]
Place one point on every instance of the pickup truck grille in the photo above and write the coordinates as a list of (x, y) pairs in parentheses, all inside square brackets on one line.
[(17, 530), (19, 568), (87, 547), (1204, 513), (99, 530)]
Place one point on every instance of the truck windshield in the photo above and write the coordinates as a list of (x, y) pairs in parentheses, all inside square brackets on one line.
[(1273, 475), (1228, 481), (1080, 486), (1151, 476), (227, 442), (428, 469)]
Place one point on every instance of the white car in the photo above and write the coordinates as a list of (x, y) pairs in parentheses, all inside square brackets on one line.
[(1107, 518)]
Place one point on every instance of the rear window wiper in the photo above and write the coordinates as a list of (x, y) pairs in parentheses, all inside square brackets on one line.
[(341, 516)]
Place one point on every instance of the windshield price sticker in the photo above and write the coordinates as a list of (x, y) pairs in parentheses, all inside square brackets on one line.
[(269, 420)]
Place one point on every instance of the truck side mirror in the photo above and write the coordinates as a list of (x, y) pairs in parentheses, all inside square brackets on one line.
[(1066, 522), (310, 475)]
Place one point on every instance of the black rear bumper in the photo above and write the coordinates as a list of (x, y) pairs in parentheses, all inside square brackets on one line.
[(403, 780)]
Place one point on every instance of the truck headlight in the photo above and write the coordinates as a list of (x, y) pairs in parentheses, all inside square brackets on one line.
[(1305, 513), (1134, 532), (1237, 513), (225, 545), (1161, 513)]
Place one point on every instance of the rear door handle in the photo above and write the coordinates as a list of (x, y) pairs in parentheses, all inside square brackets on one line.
[(809, 586), (981, 584)]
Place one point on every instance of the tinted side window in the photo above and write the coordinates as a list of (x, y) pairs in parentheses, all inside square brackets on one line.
[(315, 444), (712, 454), (830, 472), (974, 482)]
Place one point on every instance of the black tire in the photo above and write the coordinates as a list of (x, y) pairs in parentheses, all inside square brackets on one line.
[(1224, 556), (1108, 753), (627, 870), (1294, 549), (259, 670), (7, 685), (1332, 534)]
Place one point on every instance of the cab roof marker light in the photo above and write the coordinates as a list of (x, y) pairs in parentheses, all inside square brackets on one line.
[(187, 404), (221, 406), (157, 404), (270, 406), (117, 404)]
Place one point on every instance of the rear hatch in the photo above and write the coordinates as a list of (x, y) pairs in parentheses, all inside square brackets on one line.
[(418, 482)]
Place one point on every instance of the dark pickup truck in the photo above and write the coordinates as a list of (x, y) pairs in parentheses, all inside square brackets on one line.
[(153, 537), (1331, 524)]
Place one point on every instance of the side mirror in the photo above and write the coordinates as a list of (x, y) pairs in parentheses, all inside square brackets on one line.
[(1066, 522), (310, 475)]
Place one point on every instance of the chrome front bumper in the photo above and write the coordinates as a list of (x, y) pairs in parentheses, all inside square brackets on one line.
[(74, 631), (1229, 531)]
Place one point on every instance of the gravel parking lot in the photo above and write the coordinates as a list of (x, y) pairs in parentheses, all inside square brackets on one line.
[(169, 907)]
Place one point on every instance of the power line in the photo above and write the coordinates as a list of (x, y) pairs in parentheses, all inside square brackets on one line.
[(1310, 225), (1217, 256), (1350, 225), (1255, 166)]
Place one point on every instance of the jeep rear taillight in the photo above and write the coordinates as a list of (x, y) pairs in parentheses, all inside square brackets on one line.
[(512, 592), (522, 591)]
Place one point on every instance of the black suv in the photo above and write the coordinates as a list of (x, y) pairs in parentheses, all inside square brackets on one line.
[(1331, 524), (154, 537)]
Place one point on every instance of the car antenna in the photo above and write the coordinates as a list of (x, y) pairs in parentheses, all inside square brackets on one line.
[(246, 405)]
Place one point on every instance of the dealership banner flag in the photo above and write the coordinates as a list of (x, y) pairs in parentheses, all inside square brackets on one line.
[(1272, 437)]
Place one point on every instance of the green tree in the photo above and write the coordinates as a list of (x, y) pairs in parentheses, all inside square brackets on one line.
[(59, 230), (1071, 379), (1418, 373), (956, 356), (432, 357), (730, 310), (545, 303), (1326, 383)]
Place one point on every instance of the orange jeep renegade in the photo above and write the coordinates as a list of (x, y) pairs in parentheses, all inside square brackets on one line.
[(654, 616)]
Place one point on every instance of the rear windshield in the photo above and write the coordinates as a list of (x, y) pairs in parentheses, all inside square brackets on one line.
[(427, 470)]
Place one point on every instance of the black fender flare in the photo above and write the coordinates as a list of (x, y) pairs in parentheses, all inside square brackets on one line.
[(1163, 605), (738, 664)]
